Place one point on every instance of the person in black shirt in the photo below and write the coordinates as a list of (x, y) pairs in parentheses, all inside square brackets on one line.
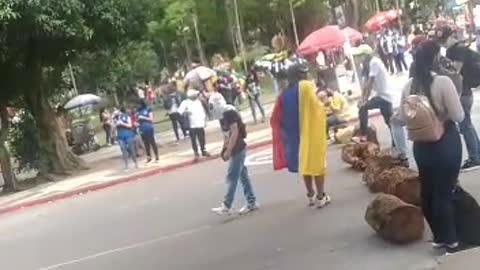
[(468, 62), (234, 151)]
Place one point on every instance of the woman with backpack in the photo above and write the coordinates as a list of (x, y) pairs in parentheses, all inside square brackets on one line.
[(431, 109)]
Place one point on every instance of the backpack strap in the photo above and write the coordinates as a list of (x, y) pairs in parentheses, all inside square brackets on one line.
[(416, 91)]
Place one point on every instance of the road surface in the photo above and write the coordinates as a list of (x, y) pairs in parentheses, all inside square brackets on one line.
[(164, 222)]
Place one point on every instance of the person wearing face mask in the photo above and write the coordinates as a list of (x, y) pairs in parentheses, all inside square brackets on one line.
[(234, 152)]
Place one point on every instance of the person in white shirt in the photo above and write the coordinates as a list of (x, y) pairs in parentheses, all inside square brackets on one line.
[(140, 93), (376, 81), (193, 108)]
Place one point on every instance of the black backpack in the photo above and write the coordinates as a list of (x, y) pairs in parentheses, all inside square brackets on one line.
[(467, 217)]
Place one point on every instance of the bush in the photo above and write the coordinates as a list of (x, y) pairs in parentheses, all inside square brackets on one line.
[(23, 142)]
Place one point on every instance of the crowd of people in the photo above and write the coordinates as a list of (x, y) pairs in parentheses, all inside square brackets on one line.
[(435, 110)]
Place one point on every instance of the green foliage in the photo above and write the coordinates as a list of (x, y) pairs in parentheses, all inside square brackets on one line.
[(23, 142), (252, 53), (116, 71)]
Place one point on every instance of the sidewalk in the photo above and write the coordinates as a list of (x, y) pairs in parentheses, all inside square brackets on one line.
[(106, 164)]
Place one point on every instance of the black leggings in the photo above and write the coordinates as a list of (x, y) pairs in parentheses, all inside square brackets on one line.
[(177, 119), (148, 139), (108, 133), (198, 133)]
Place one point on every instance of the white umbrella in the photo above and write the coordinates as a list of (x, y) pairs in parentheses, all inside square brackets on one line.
[(82, 100)]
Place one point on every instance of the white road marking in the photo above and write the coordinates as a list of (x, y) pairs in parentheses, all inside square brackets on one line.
[(260, 158), (122, 249)]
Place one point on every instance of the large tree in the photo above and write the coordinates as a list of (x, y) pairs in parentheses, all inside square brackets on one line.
[(38, 39)]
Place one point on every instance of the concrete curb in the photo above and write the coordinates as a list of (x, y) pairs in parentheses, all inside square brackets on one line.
[(104, 185), (132, 178)]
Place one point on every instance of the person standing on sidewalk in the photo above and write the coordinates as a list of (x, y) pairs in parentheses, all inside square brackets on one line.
[(253, 91), (377, 80), (125, 137), (299, 138), (106, 120), (468, 62), (438, 161), (171, 104), (147, 131), (193, 108), (234, 152)]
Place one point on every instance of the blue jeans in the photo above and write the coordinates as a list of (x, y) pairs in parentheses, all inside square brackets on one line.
[(237, 170), (439, 166), (399, 137), (127, 145), (275, 86), (255, 99), (334, 120), (468, 130)]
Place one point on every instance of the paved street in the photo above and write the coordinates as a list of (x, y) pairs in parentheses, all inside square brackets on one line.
[(163, 222)]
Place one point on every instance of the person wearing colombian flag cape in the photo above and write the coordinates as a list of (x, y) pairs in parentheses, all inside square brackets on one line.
[(298, 132)]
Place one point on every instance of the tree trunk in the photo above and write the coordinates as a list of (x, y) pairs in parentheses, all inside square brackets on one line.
[(57, 158), (395, 220), (355, 14), (201, 53), (9, 178), (357, 154), (187, 49), (403, 183), (115, 98), (231, 28), (375, 167)]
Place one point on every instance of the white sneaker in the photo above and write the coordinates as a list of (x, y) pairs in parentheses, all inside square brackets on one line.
[(223, 210), (248, 208), (312, 201), (324, 201)]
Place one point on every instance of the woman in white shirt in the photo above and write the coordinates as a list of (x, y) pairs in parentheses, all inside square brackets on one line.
[(193, 108)]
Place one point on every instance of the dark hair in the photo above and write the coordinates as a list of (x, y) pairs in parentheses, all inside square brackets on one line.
[(425, 55), (142, 104), (123, 109)]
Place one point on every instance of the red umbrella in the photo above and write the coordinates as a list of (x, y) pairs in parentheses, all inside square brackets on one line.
[(382, 19), (327, 38)]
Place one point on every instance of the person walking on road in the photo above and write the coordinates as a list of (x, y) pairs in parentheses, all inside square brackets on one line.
[(438, 160), (253, 91), (388, 45), (377, 80), (193, 108), (147, 130), (234, 152), (299, 138), (125, 137)]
